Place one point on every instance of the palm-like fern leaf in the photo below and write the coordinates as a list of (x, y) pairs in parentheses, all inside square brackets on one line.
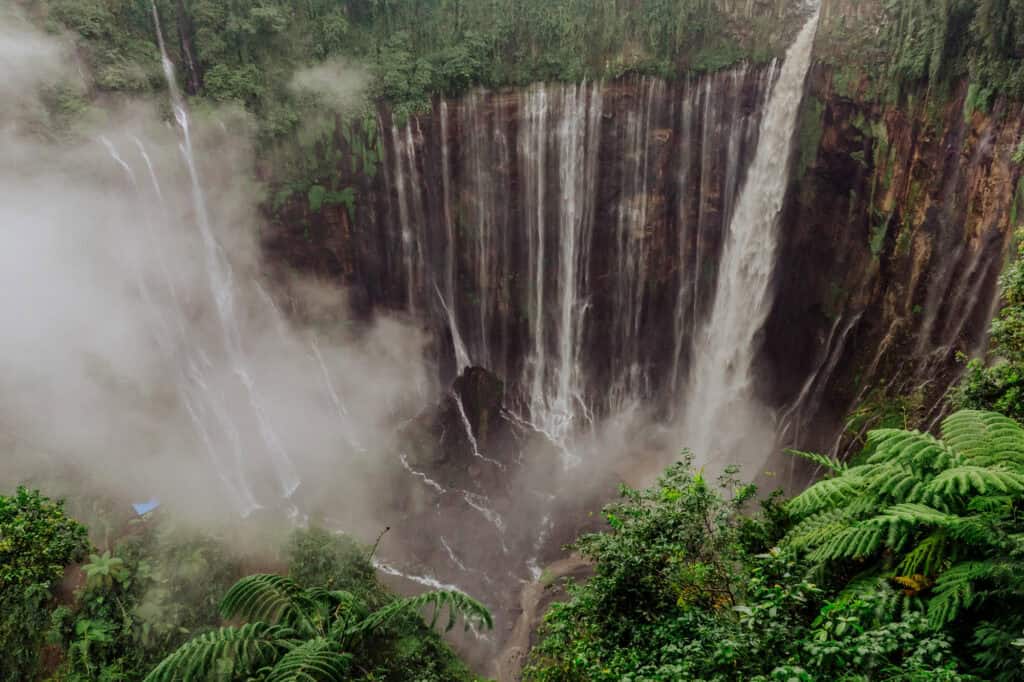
[(971, 478), (832, 492), (233, 651), (894, 482), (823, 461), (819, 527), (457, 603), (875, 588), (954, 591), (855, 542), (271, 599), (317, 660), (928, 558), (920, 451), (899, 522), (985, 438)]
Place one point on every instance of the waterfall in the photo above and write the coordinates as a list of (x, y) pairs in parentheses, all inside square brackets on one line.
[(558, 223), (721, 390), (462, 361), (556, 377), (200, 400)]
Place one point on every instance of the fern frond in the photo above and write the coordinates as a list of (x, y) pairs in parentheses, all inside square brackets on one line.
[(927, 558), (875, 588), (824, 461), (832, 492), (899, 522), (919, 451), (894, 482), (235, 651), (979, 480), (457, 603), (317, 660), (991, 504), (985, 438), (855, 542), (954, 591), (271, 599), (817, 528)]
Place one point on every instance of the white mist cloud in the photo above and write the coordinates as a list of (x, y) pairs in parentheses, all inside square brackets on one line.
[(143, 362), (339, 83)]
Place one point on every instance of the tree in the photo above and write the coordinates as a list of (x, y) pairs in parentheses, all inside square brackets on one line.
[(931, 525), (295, 633), (37, 542)]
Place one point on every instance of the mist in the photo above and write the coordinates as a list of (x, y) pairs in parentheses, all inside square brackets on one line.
[(339, 83), (144, 358)]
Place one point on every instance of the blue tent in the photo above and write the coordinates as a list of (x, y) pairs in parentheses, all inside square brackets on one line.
[(143, 508)]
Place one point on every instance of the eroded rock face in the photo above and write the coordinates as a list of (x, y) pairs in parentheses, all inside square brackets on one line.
[(895, 233)]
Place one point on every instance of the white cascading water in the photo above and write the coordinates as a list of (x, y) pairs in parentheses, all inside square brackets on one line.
[(198, 401), (550, 205), (556, 395), (720, 399)]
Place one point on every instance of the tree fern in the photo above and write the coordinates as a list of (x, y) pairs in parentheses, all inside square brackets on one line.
[(819, 527), (888, 604), (918, 509), (236, 652), (954, 592), (857, 542), (895, 483), (317, 660), (306, 637), (919, 451), (457, 603)]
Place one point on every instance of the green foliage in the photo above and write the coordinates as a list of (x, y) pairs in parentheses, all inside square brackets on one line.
[(934, 517), (140, 600), (686, 588), (37, 541), (937, 42), (999, 385), (307, 634)]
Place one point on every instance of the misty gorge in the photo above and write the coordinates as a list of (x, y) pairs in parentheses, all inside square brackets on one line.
[(551, 340)]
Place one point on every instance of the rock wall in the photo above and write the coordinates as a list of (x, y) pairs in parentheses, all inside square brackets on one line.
[(896, 230), (573, 232)]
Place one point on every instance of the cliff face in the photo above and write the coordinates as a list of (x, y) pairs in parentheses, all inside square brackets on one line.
[(568, 238), (895, 231)]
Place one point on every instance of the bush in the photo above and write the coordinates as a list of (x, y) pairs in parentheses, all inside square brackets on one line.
[(37, 541)]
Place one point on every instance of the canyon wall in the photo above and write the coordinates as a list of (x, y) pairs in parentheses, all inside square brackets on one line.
[(568, 236)]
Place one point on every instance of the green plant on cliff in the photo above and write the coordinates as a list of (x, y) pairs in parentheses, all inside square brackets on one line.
[(37, 541), (999, 383), (939, 41)]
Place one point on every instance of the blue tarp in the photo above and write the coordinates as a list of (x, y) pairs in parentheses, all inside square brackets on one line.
[(144, 508)]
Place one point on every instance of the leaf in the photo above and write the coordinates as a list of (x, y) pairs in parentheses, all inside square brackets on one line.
[(317, 660), (271, 599), (237, 651), (457, 603)]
